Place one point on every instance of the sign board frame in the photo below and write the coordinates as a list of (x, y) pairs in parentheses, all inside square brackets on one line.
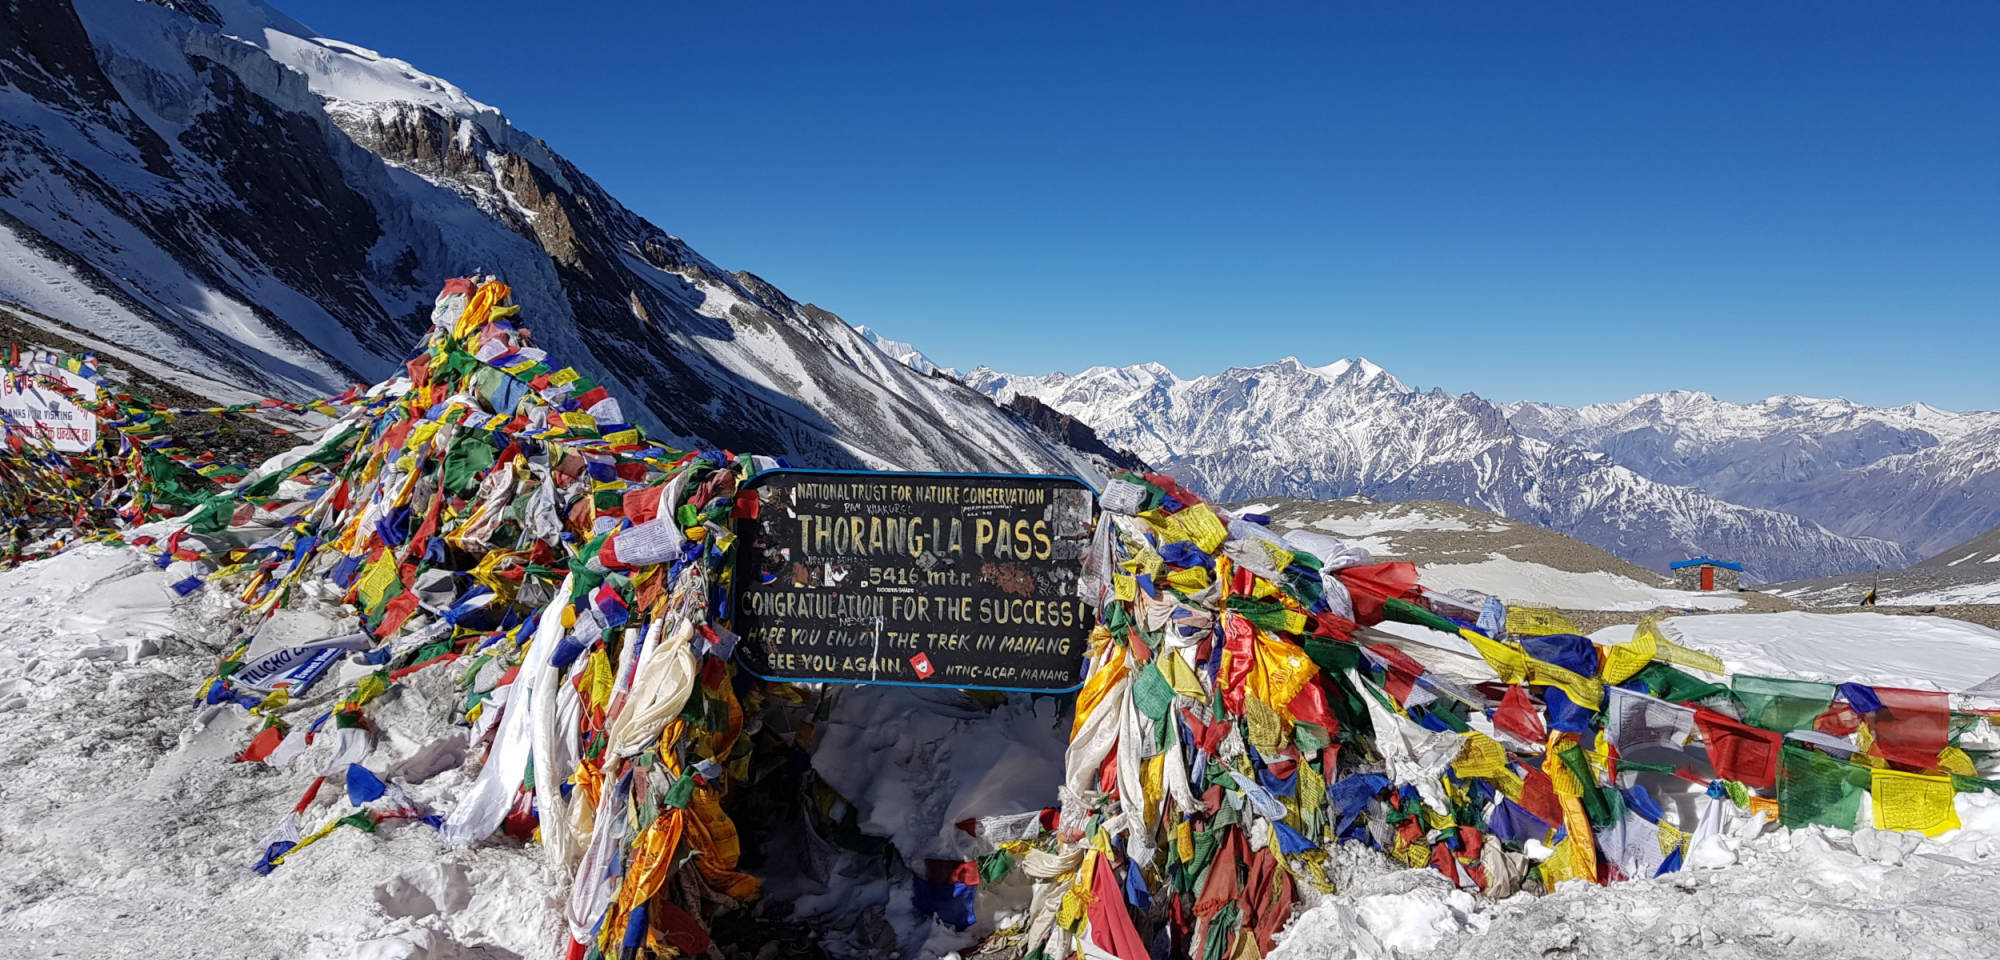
[(31, 410), (743, 576)]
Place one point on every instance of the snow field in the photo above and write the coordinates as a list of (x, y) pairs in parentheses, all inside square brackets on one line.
[(1929, 653), (1520, 582), (125, 832)]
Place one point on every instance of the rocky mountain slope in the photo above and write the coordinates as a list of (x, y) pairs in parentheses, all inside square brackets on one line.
[(208, 181), (1923, 477), (1982, 550), (1288, 429), (1964, 575)]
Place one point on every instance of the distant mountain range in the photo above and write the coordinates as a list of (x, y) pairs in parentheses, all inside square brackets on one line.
[(1792, 487), (212, 185), (1916, 475)]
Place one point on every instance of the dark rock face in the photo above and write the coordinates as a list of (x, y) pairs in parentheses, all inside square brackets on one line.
[(286, 168), (1071, 431)]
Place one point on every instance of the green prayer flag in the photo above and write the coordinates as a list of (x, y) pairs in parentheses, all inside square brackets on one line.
[(1782, 705), (1816, 788)]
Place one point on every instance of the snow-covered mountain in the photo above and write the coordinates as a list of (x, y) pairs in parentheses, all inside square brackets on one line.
[(210, 181), (1288, 429), (903, 353), (1923, 477)]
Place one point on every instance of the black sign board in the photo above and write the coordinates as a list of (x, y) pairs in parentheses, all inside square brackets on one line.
[(935, 579)]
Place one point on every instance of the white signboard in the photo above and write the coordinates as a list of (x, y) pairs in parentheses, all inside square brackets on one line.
[(32, 409)]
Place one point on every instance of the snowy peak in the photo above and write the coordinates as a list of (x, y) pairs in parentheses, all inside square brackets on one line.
[(1359, 371), (903, 353)]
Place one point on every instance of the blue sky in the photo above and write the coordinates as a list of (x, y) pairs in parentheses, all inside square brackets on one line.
[(1558, 201)]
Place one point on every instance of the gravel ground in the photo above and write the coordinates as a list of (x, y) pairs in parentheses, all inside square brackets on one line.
[(1840, 591)]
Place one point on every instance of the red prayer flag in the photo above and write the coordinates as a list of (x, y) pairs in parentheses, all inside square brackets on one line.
[(1110, 923), (951, 871), (1839, 720), (643, 505), (1310, 706), (1912, 727), (261, 745), (1369, 586), (1538, 796), (1517, 716), (1738, 751), (1239, 640), (1402, 671)]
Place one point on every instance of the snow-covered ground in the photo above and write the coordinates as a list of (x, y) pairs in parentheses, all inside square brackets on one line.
[(1521, 582), (1818, 893), (125, 831), (1930, 653)]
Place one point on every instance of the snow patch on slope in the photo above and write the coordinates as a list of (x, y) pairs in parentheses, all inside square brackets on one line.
[(1929, 653), (1520, 582)]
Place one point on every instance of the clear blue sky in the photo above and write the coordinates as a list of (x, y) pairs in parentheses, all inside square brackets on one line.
[(1558, 201)]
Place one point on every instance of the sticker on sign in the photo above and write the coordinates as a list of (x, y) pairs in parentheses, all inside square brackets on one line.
[(940, 579)]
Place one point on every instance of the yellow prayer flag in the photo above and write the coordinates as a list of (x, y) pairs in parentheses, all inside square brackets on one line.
[(1199, 524), (1913, 801), (603, 679), (1094, 689), (1538, 621), (1152, 773), (421, 434), (1279, 671), (1124, 588), (1622, 660), (1681, 656), (1583, 691), (376, 580), (1509, 663), (1481, 756), (1181, 677), (1190, 580)]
